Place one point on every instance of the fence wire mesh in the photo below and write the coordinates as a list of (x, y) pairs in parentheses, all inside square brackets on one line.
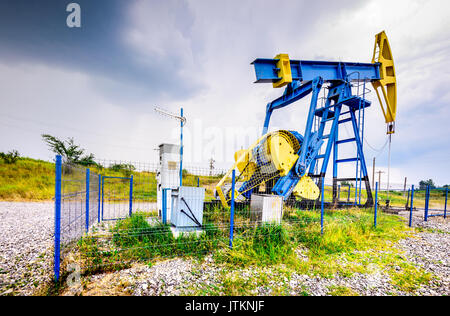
[(115, 213)]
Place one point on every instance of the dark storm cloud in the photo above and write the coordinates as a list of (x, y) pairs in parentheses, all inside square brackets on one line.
[(36, 31)]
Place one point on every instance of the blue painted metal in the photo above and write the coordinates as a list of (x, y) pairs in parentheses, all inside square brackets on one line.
[(103, 195), (131, 196), (88, 174), (198, 182), (306, 70), (427, 200), (233, 179), (412, 206), (376, 205), (181, 148), (164, 205), (308, 78), (130, 201), (99, 196), (57, 254), (446, 199), (322, 198)]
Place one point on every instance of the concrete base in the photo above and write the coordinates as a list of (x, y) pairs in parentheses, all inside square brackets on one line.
[(178, 231)]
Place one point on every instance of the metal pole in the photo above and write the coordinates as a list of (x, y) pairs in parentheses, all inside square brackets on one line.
[(446, 198), (181, 149), (321, 205), (389, 166), (233, 177), (164, 205), (88, 173), (103, 195), (404, 186), (373, 173), (427, 197), (131, 195), (58, 181), (376, 205), (412, 206), (99, 195)]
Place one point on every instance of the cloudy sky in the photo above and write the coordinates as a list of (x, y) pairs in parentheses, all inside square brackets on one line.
[(100, 83)]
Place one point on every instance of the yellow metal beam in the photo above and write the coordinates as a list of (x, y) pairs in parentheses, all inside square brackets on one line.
[(386, 87)]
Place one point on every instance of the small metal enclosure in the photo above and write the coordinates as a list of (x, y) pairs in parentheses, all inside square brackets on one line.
[(187, 207), (168, 176), (266, 208)]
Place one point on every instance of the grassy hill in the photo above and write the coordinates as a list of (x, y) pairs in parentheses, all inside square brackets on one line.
[(34, 180), (27, 180)]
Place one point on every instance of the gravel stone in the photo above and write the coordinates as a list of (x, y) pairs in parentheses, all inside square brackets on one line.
[(25, 246)]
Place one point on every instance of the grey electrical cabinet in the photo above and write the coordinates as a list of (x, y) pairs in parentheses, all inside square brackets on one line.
[(187, 207)]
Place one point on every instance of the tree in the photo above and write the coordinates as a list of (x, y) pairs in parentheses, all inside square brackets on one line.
[(11, 157), (69, 150), (424, 183)]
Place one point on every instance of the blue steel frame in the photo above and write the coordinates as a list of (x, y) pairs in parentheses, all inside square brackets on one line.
[(412, 206), (130, 211), (233, 179), (58, 178), (164, 205), (427, 203), (88, 174), (308, 77)]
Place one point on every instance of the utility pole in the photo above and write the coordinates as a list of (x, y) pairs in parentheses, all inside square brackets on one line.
[(211, 166), (379, 178), (404, 187), (373, 174)]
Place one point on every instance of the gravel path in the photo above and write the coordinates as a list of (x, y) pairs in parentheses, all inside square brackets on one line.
[(25, 238), (427, 250)]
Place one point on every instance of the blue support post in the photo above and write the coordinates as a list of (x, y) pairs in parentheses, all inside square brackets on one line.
[(322, 194), (446, 198), (103, 195), (131, 195), (58, 181), (232, 208), (181, 149), (88, 174), (198, 182), (427, 199), (99, 195), (376, 205), (164, 206), (348, 196), (412, 206)]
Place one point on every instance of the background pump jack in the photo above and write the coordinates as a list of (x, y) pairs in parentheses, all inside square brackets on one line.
[(286, 162)]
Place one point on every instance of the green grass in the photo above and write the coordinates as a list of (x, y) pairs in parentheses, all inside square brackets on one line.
[(34, 180), (27, 180), (134, 240)]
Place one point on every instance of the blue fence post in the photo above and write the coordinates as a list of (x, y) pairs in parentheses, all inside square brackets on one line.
[(376, 205), (181, 148), (164, 205), (232, 208), (131, 195), (58, 180), (446, 198), (321, 205), (88, 174), (412, 206), (103, 196), (427, 197), (99, 195), (348, 196), (198, 182)]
